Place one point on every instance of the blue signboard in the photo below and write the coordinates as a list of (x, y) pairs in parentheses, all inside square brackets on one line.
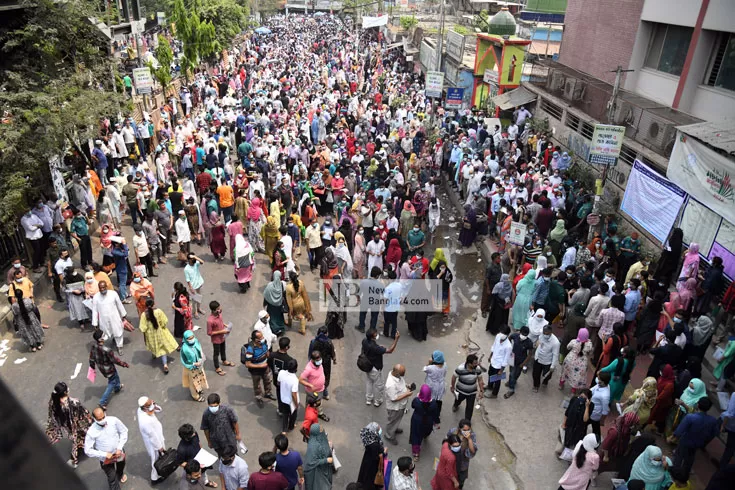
[(454, 97)]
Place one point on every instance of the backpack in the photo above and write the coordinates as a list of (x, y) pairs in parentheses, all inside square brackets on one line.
[(245, 261), (364, 364)]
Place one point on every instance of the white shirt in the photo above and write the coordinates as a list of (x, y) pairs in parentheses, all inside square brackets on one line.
[(547, 351), (102, 440), (501, 353), (32, 225), (183, 234), (289, 384), (268, 335), (512, 132), (62, 264), (151, 430), (569, 256), (287, 245), (141, 245), (259, 186), (395, 387)]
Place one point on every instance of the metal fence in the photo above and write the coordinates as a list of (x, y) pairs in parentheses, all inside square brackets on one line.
[(12, 246)]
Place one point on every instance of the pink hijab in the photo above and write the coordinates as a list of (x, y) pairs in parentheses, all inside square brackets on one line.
[(583, 335), (690, 267), (425, 393), (687, 292)]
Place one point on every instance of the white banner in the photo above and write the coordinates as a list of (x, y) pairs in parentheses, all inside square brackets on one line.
[(652, 201), (705, 174), (455, 45), (368, 22), (434, 84)]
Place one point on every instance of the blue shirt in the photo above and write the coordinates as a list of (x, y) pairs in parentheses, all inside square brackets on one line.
[(632, 300), (101, 158), (540, 291), (697, 430), (288, 466), (200, 156), (730, 414)]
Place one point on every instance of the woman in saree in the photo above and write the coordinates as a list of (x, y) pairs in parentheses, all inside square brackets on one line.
[(271, 233), (616, 442), (359, 257), (273, 296), (255, 223), (141, 289), (217, 237)]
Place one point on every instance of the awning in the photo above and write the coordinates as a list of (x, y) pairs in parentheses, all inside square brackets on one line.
[(718, 134), (514, 98)]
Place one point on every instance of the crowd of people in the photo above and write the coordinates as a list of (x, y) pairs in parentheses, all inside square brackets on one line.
[(300, 143)]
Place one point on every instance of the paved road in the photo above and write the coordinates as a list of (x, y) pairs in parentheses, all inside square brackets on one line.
[(526, 422)]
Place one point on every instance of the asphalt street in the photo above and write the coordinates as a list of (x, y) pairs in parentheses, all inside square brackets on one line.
[(521, 427)]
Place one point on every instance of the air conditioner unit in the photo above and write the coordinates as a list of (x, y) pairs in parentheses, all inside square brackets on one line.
[(656, 133), (627, 115)]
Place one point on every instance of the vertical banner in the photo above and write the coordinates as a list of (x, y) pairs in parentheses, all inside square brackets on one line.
[(607, 140), (652, 201), (434, 84)]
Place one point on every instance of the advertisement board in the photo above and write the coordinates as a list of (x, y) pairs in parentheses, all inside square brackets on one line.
[(454, 97), (606, 143), (517, 235), (143, 80), (434, 83)]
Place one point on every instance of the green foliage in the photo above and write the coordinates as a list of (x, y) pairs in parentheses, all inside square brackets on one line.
[(408, 22), (482, 20), (461, 29), (54, 87), (165, 57), (195, 25)]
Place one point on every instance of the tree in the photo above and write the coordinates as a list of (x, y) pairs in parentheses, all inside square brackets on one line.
[(195, 22), (165, 57), (54, 88), (408, 22)]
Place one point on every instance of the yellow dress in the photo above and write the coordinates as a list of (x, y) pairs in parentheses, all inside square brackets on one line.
[(158, 341)]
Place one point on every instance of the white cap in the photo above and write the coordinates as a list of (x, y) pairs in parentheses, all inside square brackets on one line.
[(97, 142), (142, 401), (262, 314)]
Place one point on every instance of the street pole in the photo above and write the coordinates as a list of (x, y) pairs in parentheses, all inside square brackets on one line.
[(140, 65), (611, 108), (440, 41)]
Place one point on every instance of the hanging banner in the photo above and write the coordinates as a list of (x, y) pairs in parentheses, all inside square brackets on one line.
[(703, 173), (652, 201), (607, 141), (434, 84), (368, 22)]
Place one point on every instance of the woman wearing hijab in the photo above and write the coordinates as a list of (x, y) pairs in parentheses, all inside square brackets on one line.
[(651, 467), (234, 229), (576, 362), (182, 311), (522, 303), (687, 293), (278, 258), (328, 266), (647, 323), (425, 413), (371, 437), (273, 295), (345, 265), (690, 267), (685, 404), (299, 306), (75, 287), (158, 340), (556, 236), (548, 253), (669, 260), (394, 254), (255, 224), (141, 289), (616, 442), (192, 360), (524, 270), (217, 243), (244, 263), (701, 328), (613, 344), (642, 400), (359, 257), (664, 398), (585, 462), (408, 215), (500, 303), (469, 227), (336, 316), (576, 419), (318, 465), (620, 370), (67, 417), (446, 476), (536, 323), (271, 233)]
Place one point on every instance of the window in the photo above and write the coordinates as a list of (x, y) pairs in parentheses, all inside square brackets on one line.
[(554, 110), (627, 154), (572, 121), (668, 48), (722, 65), (587, 130)]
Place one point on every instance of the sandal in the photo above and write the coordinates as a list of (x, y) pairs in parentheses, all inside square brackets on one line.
[(165, 369), (200, 399), (33, 349), (210, 484), (124, 478), (220, 372), (324, 417), (228, 363)]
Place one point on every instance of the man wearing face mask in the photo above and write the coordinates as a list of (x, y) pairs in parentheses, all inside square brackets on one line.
[(314, 242), (151, 431), (499, 360), (522, 347), (313, 379), (105, 440), (468, 448), (220, 425), (194, 478), (233, 470), (601, 400), (416, 238), (402, 477), (545, 358), (102, 358), (109, 315), (183, 233)]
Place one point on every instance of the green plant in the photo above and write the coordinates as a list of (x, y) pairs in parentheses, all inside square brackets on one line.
[(408, 22), (461, 29), (539, 125)]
